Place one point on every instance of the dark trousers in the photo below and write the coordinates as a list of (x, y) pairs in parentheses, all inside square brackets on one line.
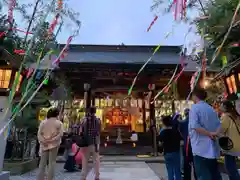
[(206, 169), (188, 167), (172, 161), (231, 167)]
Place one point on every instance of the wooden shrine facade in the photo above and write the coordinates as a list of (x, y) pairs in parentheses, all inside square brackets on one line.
[(111, 69)]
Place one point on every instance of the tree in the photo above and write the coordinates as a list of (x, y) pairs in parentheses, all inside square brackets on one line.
[(219, 16), (214, 20)]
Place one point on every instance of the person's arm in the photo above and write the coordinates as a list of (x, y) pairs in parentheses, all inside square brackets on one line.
[(194, 120), (59, 135), (40, 134), (81, 126)]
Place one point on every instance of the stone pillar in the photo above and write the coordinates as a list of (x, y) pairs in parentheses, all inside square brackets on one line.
[(87, 96), (151, 88), (3, 136)]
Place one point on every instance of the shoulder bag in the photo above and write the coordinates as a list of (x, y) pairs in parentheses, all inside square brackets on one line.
[(82, 138), (225, 141)]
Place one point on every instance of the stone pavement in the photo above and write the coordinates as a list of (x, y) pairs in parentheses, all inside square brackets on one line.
[(124, 170), (60, 174), (112, 171)]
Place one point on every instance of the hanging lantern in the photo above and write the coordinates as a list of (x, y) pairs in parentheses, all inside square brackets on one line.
[(7, 77), (232, 82)]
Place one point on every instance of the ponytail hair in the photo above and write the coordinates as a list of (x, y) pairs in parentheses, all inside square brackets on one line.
[(230, 107)]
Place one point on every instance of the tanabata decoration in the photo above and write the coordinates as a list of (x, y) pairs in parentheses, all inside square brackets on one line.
[(11, 6), (224, 61), (145, 64), (174, 78), (180, 9), (167, 86), (13, 88), (194, 81), (219, 48), (59, 5), (20, 51), (38, 88), (152, 23)]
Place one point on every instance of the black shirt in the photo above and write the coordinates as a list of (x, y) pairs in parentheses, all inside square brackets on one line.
[(170, 139)]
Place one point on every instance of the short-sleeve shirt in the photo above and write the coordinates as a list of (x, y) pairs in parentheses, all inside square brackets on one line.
[(170, 139), (202, 115)]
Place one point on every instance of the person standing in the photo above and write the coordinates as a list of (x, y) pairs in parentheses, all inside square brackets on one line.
[(91, 125), (169, 139), (203, 125), (231, 128), (50, 133), (187, 150)]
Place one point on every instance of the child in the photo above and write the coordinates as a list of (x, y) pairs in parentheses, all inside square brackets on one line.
[(170, 141), (74, 158), (78, 155)]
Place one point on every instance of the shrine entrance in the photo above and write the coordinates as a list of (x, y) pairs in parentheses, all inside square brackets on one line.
[(117, 116)]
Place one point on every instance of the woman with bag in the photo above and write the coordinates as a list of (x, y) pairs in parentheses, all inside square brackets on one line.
[(230, 141)]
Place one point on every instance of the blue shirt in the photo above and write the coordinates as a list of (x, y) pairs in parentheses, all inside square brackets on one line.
[(202, 115)]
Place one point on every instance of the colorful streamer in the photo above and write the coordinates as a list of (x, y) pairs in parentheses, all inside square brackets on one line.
[(63, 52), (13, 89), (145, 64), (219, 48), (59, 5), (174, 78), (11, 6), (19, 30), (152, 23), (167, 86), (53, 25), (196, 81)]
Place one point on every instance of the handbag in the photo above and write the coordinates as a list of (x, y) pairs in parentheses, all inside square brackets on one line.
[(226, 142), (70, 164), (82, 139)]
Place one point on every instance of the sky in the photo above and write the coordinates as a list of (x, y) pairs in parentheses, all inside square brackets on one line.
[(113, 22)]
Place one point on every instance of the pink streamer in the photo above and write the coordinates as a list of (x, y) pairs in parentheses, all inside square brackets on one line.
[(11, 6), (152, 23), (63, 52), (53, 25)]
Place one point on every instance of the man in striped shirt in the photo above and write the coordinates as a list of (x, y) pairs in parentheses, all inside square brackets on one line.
[(92, 126)]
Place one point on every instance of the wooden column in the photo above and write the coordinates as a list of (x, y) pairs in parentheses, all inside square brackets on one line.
[(93, 99), (151, 88), (87, 96), (144, 114)]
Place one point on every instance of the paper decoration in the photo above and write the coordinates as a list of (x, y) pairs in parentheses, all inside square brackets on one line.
[(167, 86), (11, 6), (224, 60), (193, 80), (59, 4), (219, 48), (145, 64), (152, 23)]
